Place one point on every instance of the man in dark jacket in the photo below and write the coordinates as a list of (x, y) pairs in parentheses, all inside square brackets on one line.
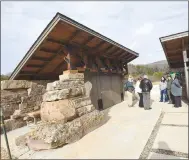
[(146, 86)]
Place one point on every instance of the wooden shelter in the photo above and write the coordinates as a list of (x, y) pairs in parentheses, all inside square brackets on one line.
[(66, 44), (176, 48)]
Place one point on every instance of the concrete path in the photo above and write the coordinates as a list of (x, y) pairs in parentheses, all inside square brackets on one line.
[(129, 133)]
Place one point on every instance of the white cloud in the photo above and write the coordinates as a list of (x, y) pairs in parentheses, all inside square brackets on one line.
[(145, 29), (136, 25)]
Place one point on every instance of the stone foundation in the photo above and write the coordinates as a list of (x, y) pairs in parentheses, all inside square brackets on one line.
[(66, 113), (19, 97)]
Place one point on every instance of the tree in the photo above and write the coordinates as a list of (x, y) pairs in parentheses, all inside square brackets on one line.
[(4, 77)]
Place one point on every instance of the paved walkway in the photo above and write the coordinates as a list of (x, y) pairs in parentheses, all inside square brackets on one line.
[(129, 133)]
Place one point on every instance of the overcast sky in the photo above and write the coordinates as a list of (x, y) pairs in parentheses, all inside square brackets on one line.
[(136, 25)]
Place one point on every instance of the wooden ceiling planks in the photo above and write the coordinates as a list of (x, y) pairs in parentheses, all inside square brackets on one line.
[(173, 47), (65, 34)]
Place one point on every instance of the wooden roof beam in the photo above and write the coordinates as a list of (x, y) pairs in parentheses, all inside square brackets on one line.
[(111, 53), (47, 62), (98, 45), (73, 35), (34, 65), (90, 38), (48, 50), (122, 55), (129, 59), (120, 51), (40, 58)]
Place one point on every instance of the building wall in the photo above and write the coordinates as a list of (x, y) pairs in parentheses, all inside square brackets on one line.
[(104, 88)]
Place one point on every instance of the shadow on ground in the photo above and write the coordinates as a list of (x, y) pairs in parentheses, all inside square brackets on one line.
[(163, 153)]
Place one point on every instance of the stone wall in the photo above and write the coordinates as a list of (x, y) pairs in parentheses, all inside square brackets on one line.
[(19, 97), (66, 113)]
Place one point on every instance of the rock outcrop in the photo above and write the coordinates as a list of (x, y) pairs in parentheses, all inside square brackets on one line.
[(58, 134), (19, 97), (66, 113)]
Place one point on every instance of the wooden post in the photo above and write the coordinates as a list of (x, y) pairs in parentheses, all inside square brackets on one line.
[(186, 72), (69, 59)]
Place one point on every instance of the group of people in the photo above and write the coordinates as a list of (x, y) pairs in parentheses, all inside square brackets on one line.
[(141, 92), (171, 90)]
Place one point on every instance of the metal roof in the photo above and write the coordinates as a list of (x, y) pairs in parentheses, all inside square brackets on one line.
[(173, 46), (43, 57)]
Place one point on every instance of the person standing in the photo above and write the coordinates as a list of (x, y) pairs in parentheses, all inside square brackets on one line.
[(146, 86), (176, 90), (139, 91), (169, 82), (163, 90), (129, 87)]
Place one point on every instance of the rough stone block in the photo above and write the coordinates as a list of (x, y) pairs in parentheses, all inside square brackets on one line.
[(57, 111), (80, 101), (70, 71), (22, 106), (59, 85), (58, 134), (91, 120), (21, 140), (15, 84), (70, 76), (10, 101), (84, 110), (12, 124), (63, 94), (55, 95)]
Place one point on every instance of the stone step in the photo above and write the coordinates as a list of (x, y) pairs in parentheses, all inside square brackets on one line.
[(58, 85), (70, 76), (63, 94), (15, 84), (84, 110), (80, 102)]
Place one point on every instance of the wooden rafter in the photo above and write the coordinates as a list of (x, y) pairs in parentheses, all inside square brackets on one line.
[(41, 58), (73, 36), (34, 65), (98, 45), (53, 57), (88, 40)]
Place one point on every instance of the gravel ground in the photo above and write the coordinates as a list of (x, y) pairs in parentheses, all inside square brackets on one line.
[(146, 151), (4, 154), (172, 153)]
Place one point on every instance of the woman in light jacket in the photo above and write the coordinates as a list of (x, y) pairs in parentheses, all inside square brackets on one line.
[(139, 91), (163, 90), (176, 90)]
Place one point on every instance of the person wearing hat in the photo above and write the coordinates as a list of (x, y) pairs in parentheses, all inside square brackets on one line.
[(176, 90), (146, 87)]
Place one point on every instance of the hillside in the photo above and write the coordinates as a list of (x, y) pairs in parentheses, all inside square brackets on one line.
[(154, 70), (159, 64)]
